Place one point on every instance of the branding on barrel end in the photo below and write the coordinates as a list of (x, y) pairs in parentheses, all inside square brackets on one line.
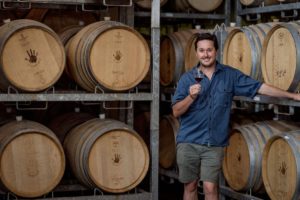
[(283, 168), (32, 57), (116, 159), (117, 56)]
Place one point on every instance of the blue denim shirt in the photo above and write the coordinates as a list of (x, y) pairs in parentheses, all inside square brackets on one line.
[(207, 119)]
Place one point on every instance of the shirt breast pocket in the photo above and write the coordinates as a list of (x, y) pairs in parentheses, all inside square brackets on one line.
[(223, 96)]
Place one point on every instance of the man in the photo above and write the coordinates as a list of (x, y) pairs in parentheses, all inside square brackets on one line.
[(204, 111)]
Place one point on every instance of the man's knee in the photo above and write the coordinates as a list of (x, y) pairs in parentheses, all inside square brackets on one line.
[(210, 188), (191, 186)]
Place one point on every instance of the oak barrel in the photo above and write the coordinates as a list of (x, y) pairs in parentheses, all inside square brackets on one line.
[(63, 124), (280, 56), (142, 126), (66, 34), (109, 54), (281, 166), (242, 49), (107, 154), (32, 158), (33, 57), (243, 157), (172, 56), (197, 5), (168, 128)]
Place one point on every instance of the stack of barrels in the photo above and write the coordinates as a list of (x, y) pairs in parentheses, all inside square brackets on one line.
[(267, 52), (112, 55), (101, 153), (264, 157)]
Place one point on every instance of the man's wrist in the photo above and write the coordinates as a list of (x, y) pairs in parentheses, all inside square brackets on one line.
[(192, 97)]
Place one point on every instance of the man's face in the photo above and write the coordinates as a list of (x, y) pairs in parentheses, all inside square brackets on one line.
[(206, 53)]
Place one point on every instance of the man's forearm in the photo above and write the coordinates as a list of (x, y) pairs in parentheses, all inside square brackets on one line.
[(269, 90), (182, 106)]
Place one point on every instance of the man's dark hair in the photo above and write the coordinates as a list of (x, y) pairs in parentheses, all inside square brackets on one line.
[(206, 36)]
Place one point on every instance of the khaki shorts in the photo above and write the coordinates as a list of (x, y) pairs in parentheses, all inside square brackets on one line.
[(196, 161)]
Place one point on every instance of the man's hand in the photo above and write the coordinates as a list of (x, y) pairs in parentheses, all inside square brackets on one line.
[(296, 97), (194, 90)]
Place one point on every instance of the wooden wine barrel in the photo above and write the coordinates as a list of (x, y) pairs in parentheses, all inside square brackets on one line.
[(172, 56), (280, 56), (222, 33), (260, 30), (109, 54), (237, 120), (33, 57), (242, 49), (66, 34), (63, 124), (32, 159), (146, 4), (168, 128), (107, 154), (281, 166), (243, 157), (142, 126), (197, 5)]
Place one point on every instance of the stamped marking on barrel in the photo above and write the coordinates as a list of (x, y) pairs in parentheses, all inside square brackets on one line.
[(117, 179), (118, 37), (118, 76), (23, 40), (283, 168), (280, 73), (118, 56), (40, 76), (117, 158), (280, 37), (240, 53), (239, 157), (32, 168), (32, 57)]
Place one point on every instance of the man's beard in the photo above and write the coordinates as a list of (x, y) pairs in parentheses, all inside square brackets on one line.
[(208, 66)]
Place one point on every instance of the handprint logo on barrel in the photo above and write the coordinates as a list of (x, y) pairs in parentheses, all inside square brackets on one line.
[(117, 159), (32, 57), (283, 168), (117, 56)]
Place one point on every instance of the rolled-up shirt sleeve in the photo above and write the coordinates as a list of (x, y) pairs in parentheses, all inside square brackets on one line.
[(181, 90), (245, 85)]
